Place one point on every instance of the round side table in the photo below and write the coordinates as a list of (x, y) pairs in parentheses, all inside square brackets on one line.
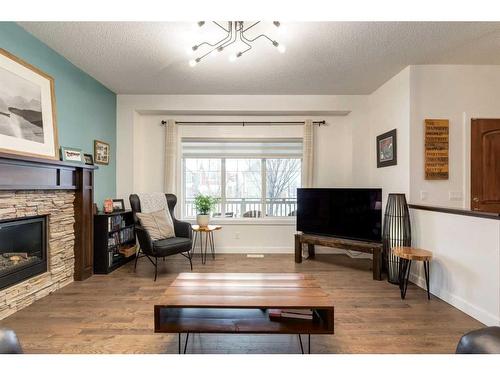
[(209, 239), (406, 256)]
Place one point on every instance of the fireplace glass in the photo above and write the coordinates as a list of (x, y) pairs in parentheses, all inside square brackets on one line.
[(22, 249)]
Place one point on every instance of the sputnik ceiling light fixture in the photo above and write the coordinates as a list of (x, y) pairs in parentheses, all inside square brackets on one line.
[(236, 31)]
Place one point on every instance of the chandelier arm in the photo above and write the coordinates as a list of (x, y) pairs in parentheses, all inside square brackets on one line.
[(242, 52), (222, 27), (260, 36), (252, 25), (220, 41), (223, 44), (215, 44), (243, 40), (231, 41)]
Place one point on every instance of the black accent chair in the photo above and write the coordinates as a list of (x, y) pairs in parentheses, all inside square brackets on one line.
[(9, 344), (180, 244), (481, 341)]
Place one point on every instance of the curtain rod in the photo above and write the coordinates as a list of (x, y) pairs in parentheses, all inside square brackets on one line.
[(244, 123)]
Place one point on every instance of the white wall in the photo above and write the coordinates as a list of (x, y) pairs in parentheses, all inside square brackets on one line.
[(465, 269), (457, 93), (388, 108), (141, 143)]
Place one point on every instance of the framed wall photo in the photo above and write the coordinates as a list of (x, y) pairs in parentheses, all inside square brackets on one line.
[(118, 205), (74, 155), (27, 109), (102, 152), (387, 149), (89, 159)]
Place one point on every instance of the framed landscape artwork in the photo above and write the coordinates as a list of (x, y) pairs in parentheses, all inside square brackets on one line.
[(387, 149), (27, 109), (101, 152)]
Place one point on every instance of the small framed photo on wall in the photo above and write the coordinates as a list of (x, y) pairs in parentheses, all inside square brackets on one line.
[(387, 149), (102, 152), (89, 160), (71, 154)]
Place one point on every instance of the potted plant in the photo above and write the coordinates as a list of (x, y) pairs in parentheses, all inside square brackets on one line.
[(204, 204)]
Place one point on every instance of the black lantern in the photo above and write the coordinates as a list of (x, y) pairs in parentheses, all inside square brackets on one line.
[(397, 232)]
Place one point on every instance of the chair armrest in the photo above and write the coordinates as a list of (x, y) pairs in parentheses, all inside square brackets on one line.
[(144, 239), (183, 229)]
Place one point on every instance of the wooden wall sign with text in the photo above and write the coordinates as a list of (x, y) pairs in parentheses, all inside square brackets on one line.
[(436, 149)]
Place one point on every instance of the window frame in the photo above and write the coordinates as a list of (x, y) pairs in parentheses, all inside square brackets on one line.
[(276, 220)]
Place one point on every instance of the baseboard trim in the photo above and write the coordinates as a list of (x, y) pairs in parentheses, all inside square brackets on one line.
[(477, 313), (252, 250), (283, 250)]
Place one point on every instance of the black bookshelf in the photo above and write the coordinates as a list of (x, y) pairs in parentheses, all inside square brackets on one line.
[(111, 233)]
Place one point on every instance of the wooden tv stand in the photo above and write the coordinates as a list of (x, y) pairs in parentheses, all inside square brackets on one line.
[(373, 248)]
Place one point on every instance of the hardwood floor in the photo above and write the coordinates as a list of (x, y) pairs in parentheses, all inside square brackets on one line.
[(114, 313)]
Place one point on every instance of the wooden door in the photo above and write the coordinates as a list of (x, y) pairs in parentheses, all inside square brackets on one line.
[(485, 165)]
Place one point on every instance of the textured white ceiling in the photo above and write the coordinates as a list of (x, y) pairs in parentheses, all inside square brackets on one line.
[(321, 57)]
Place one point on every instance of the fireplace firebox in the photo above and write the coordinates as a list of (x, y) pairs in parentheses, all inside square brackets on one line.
[(23, 249)]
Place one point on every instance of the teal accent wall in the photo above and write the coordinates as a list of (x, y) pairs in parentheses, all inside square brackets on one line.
[(86, 110)]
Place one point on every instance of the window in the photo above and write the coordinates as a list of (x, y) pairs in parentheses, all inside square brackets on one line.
[(201, 176), (251, 178)]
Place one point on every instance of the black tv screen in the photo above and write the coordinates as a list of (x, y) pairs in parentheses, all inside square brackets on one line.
[(347, 213)]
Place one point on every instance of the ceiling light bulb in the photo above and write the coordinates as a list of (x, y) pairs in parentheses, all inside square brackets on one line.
[(201, 23), (276, 23), (281, 48), (192, 63), (220, 49), (232, 58)]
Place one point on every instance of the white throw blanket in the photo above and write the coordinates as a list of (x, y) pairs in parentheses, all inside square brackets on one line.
[(152, 202)]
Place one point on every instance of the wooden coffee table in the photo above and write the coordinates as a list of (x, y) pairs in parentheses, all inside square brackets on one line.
[(239, 303)]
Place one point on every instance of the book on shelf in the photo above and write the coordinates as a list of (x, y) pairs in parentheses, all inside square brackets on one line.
[(123, 236), (115, 222), (126, 235), (278, 314)]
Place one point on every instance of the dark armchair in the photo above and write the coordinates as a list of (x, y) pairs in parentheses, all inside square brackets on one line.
[(180, 244)]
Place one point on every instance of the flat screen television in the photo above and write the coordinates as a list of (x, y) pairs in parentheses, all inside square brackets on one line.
[(340, 212)]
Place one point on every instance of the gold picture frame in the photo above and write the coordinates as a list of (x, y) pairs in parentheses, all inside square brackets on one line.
[(102, 152), (28, 123)]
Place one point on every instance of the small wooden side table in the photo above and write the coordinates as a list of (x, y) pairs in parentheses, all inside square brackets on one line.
[(209, 239), (406, 255)]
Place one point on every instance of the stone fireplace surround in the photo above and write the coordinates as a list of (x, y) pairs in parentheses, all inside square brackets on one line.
[(63, 191), (58, 205)]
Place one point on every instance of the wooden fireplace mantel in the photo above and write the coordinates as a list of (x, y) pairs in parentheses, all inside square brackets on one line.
[(31, 173)]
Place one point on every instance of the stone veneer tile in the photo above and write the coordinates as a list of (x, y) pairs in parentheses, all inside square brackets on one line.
[(58, 204)]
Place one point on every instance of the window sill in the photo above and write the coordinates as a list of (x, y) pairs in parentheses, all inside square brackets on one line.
[(249, 221)]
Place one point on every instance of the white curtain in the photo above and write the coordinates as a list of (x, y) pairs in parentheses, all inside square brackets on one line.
[(171, 155), (307, 163), (308, 154)]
